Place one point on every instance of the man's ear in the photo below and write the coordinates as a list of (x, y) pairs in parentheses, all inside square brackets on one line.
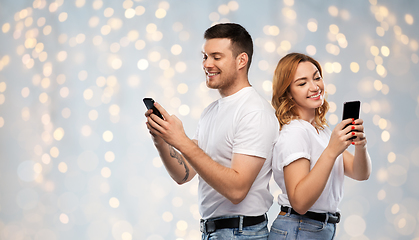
[(242, 60)]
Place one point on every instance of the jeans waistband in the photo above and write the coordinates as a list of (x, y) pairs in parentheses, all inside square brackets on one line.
[(322, 217), (211, 225)]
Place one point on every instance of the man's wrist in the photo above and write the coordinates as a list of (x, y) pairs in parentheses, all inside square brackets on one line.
[(159, 142), (183, 145)]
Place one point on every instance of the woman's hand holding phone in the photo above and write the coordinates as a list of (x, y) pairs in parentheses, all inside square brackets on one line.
[(339, 139), (357, 131), (351, 110), (349, 131)]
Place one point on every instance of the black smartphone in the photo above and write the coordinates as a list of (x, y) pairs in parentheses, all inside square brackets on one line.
[(149, 103), (351, 110)]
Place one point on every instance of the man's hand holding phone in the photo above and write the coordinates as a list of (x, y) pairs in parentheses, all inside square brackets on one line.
[(167, 127), (149, 103)]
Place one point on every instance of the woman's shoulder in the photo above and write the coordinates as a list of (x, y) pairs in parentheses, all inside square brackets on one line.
[(293, 129), (295, 125)]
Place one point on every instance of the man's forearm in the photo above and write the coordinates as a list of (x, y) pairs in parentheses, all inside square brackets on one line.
[(232, 182), (181, 161), (175, 164)]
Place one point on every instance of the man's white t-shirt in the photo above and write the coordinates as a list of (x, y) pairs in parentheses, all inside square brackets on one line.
[(242, 123), (299, 139)]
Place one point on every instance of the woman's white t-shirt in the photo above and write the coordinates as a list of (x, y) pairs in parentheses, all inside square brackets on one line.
[(299, 139)]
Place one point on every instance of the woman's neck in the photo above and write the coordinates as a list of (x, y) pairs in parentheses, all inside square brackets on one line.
[(307, 115)]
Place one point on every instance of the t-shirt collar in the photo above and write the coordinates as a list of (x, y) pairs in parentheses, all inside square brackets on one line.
[(236, 95)]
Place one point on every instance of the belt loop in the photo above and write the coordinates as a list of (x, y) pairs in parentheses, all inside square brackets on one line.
[(241, 224), (289, 211), (327, 218), (202, 226)]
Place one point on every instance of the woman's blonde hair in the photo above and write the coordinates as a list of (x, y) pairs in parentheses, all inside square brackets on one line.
[(284, 105)]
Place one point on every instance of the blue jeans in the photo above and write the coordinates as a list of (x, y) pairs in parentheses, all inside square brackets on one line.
[(294, 227), (258, 231)]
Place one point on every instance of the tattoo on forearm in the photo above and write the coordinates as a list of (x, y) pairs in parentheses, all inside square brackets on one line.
[(181, 161)]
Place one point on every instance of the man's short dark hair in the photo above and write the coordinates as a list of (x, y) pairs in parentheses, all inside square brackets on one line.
[(241, 41)]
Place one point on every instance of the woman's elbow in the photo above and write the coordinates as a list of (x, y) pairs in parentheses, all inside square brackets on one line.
[(300, 210), (301, 207), (364, 178)]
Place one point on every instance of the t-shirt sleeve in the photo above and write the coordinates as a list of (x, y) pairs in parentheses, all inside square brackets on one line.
[(255, 134), (196, 135), (293, 143)]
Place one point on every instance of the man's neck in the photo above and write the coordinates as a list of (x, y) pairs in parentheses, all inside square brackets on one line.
[(237, 85)]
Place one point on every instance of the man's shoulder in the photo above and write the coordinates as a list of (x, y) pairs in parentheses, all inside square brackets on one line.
[(255, 102), (209, 107)]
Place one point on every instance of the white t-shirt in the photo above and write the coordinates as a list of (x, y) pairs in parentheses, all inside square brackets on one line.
[(299, 139), (243, 123)]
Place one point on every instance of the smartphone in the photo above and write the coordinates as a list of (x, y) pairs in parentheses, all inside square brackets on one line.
[(351, 110), (149, 103)]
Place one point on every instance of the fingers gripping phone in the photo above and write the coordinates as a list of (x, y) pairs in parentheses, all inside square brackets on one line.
[(149, 103), (351, 110)]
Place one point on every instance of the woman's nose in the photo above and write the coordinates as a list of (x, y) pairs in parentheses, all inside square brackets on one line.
[(313, 86)]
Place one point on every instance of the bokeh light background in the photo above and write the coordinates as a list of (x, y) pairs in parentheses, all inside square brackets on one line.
[(76, 159)]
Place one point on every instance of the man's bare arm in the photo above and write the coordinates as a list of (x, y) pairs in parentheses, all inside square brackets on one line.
[(175, 164), (232, 182)]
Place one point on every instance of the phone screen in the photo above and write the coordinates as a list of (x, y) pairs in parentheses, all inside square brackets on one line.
[(149, 103), (351, 110)]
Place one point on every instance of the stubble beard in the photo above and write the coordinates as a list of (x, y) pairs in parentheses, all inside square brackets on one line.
[(224, 84)]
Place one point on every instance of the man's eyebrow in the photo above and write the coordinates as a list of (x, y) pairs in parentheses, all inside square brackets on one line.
[(213, 53)]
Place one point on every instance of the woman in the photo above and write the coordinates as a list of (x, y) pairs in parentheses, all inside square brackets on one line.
[(309, 160)]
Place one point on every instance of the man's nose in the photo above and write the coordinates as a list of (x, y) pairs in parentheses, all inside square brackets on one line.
[(207, 63)]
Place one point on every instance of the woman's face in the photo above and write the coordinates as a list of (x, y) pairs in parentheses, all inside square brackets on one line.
[(307, 89)]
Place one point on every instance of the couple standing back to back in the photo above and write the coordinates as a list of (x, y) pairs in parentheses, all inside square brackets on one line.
[(237, 145)]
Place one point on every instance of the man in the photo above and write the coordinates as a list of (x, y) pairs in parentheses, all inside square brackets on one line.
[(231, 150)]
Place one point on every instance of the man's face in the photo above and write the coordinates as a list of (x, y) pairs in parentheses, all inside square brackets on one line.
[(219, 63)]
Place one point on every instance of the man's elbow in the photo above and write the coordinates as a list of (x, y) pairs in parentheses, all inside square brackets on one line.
[(237, 197), (180, 181)]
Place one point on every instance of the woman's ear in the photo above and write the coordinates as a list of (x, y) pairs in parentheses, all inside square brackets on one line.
[(289, 94)]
